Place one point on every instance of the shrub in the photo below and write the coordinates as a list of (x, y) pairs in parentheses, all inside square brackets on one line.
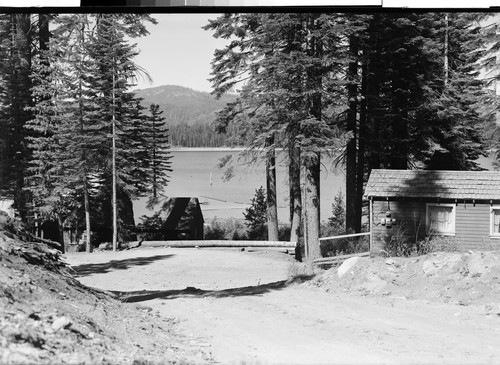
[(151, 227), (337, 220), (256, 216), (335, 226), (284, 233), (437, 243), (333, 247), (225, 229), (358, 245), (344, 246), (398, 243)]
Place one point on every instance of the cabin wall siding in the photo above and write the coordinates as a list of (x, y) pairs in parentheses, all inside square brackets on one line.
[(410, 218), (472, 228), (472, 225)]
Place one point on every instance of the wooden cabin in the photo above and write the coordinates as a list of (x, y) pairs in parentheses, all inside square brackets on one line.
[(461, 205), (182, 219)]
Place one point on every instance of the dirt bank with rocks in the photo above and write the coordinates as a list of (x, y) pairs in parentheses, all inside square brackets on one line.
[(48, 317), (470, 278)]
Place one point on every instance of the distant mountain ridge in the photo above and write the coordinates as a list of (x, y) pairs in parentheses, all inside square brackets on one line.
[(184, 105), (189, 114)]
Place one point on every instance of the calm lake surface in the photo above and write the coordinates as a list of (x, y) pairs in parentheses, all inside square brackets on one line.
[(195, 174)]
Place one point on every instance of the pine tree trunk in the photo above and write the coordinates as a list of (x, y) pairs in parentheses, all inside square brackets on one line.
[(60, 226), (113, 173), (19, 91), (361, 152), (295, 193), (446, 41), (312, 163), (155, 192), (351, 168), (373, 123), (312, 208), (43, 31), (399, 154), (86, 199), (291, 197), (272, 212)]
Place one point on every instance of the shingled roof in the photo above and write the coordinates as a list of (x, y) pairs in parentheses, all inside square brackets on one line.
[(460, 185)]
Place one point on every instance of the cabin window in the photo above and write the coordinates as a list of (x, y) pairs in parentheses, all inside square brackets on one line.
[(441, 219), (495, 221)]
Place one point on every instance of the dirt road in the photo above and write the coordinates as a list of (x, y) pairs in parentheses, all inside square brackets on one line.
[(239, 307)]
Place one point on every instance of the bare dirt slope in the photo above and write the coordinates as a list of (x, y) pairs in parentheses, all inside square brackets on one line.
[(48, 317), (240, 307)]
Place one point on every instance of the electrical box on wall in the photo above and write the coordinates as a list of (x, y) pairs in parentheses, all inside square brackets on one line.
[(388, 221)]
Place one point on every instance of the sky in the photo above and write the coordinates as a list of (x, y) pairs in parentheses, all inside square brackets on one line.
[(177, 51)]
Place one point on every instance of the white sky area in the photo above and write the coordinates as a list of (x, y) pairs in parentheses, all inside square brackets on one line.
[(177, 51)]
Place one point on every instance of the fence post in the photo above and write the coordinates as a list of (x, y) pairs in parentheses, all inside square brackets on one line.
[(370, 217)]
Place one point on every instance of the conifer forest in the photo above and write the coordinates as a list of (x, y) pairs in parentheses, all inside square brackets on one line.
[(374, 90)]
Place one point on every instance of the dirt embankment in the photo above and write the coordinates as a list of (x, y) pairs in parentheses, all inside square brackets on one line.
[(48, 317), (471, 278), (228, 306), (242, 308)]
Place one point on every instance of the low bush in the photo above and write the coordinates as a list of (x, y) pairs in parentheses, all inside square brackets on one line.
[(437, 243), (284, 233), (236, 229), (341, 246), (226, 229), (344, 246), (398, 243), (336, 226)]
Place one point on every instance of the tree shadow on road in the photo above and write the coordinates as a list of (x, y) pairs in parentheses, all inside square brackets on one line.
[(102, 268), (192, 292)]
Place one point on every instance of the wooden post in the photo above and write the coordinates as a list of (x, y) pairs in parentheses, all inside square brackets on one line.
[(370, 215)]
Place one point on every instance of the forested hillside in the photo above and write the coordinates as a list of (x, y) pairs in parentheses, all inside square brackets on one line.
[(189, 114)]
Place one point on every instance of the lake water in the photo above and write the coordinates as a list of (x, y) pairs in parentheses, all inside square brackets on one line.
[(195, 174)]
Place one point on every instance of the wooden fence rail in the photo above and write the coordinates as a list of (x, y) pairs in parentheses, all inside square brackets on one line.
[(333, 260), (345, 236), (339, 259)]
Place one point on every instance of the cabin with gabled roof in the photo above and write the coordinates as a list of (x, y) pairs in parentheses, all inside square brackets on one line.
[(179, 218), (461, 205), (184, 219)]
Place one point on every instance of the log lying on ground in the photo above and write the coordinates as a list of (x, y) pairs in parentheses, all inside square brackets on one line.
[(50, 243), (215, 243)]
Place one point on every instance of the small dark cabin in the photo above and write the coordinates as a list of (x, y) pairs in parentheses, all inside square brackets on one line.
[(462, 205), (183, 219)]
